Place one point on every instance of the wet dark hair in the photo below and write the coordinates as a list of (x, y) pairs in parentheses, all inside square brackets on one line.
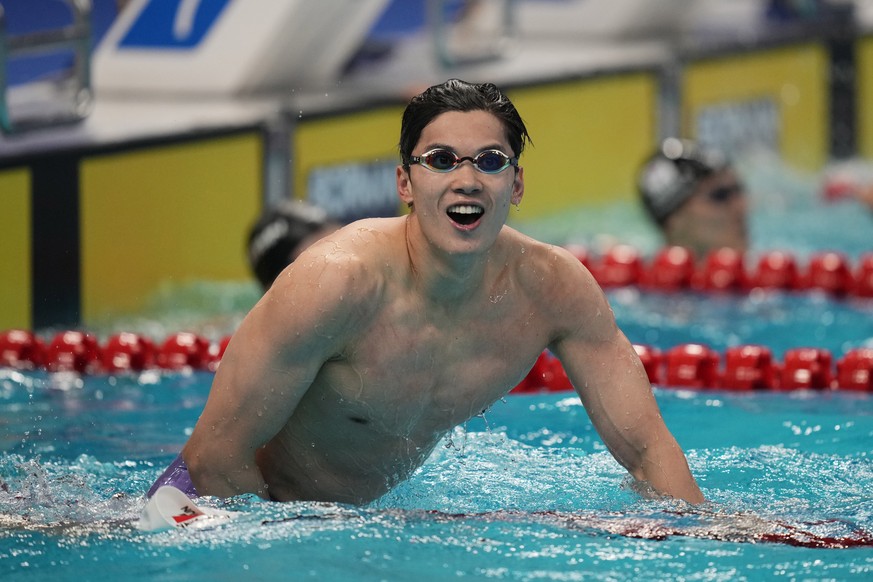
[(457, 95)]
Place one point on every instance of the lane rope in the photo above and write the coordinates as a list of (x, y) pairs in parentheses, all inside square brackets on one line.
[(688, 365), (672, 269)]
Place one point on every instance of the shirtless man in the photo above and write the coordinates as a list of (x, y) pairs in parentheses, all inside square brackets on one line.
[(382, 337)]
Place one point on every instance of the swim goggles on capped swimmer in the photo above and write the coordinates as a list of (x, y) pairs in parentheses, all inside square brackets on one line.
[(443, 160), (724, 194)]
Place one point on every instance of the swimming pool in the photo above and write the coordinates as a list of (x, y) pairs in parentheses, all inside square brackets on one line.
[(524, 492), (76, 461)]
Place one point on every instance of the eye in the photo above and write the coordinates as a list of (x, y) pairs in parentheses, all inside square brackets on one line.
[(490, 161), (441, 159)]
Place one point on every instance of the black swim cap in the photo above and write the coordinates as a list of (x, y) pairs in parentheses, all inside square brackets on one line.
[(276, 235), (668, 178)]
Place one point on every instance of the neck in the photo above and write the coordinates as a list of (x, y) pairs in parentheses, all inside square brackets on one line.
[(443, 276)]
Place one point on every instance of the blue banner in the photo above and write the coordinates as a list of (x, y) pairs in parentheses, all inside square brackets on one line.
[(173, 24)]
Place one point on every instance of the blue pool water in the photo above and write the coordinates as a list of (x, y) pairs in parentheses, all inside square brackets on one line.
[(76, 461)]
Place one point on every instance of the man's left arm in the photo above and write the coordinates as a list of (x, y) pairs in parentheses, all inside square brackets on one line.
[(614, 388)]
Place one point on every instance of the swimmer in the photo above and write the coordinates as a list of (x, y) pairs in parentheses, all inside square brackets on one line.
[(281, 234), (382, 337), (694, 197)]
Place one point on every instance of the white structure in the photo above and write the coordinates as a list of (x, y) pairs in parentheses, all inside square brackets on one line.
[(230, 47)]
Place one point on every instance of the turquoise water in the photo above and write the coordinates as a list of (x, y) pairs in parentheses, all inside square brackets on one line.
[(779, 321), (76, 461)]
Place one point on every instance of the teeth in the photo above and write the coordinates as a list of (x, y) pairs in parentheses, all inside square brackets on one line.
[(465, 209)]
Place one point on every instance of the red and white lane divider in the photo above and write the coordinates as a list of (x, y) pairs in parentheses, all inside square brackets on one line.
[(691, 366), (674, 269)]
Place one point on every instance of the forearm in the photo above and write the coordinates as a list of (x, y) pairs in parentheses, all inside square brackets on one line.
[(665, 469), (223, 475)]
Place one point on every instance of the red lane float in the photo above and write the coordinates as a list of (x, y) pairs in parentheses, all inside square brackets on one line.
[(621, 266), (222, 346), (674, 268), (691, 366), (128, 352), (864, 276), (776, 270), (723, 271), (547, 374), (187, 351), (855, 370), (80, 352), (749, 367), (830, 272), (21, 349), (741, 368), (73, 351), (653, 361), (805, 368)]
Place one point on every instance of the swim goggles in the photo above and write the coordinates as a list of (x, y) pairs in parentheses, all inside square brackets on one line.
[(724, 194), (442, 161)]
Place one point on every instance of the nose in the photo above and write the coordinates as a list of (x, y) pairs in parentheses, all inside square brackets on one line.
[(466, 178), (741, 201)]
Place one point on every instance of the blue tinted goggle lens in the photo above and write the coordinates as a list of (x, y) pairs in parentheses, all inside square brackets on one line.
[(488, 162)]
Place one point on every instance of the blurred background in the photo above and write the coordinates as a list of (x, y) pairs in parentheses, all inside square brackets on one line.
[(140, 139)]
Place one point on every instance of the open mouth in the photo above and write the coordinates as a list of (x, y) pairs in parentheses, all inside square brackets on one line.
[(465, 214)]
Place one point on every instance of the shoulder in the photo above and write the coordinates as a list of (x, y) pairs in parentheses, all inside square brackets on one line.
[(564, 290), (345, 271), (352, 250), (548, 267)]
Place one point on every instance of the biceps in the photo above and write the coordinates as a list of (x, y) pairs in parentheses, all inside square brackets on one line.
[(252, 409), (270, 363), (254, 393)]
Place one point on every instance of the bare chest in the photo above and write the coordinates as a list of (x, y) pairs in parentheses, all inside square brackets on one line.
[(419, 371)]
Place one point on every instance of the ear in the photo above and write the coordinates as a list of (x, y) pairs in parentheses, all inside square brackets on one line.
[(404, 185), (518, 187)]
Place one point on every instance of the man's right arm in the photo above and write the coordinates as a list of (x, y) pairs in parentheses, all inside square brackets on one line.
[(252, 396), (270, 363)]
